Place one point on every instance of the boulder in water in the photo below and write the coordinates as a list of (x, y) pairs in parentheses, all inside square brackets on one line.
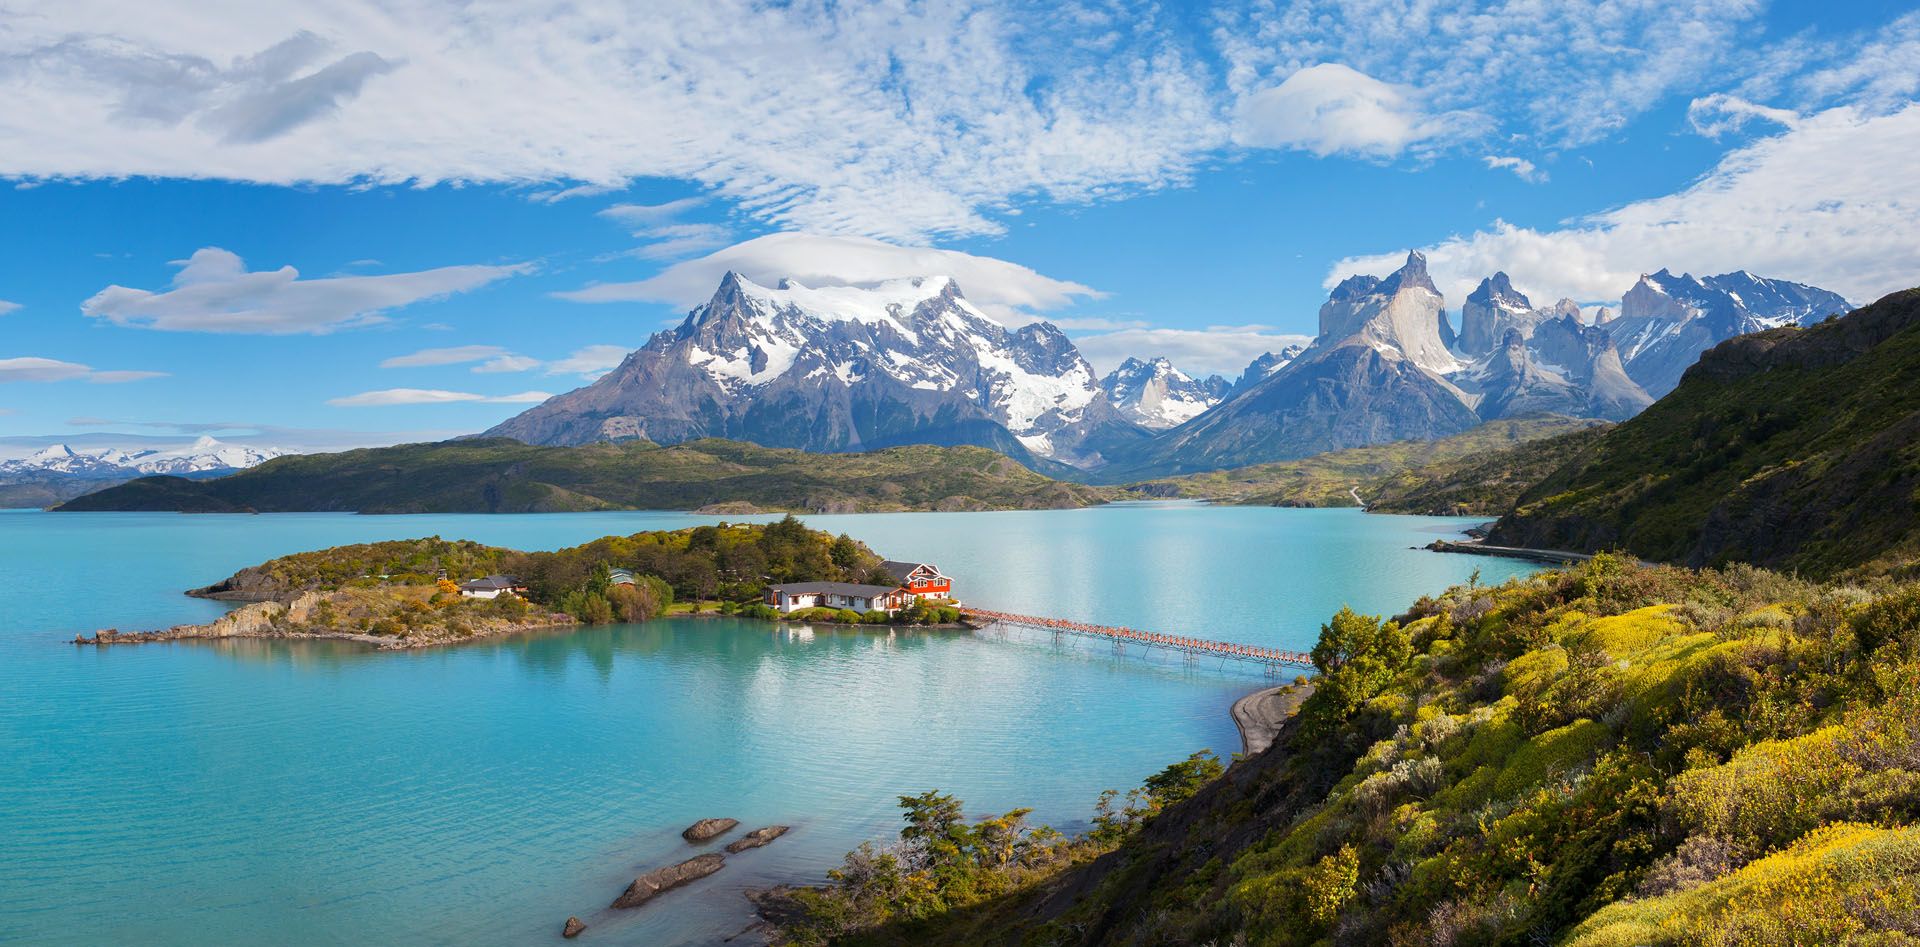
[(708, 828), (647, 886), (757, 838), (573, 928)]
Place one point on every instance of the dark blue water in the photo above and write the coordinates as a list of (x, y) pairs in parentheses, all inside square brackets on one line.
[(307, 793)]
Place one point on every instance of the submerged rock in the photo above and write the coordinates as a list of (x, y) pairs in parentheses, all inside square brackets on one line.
[(573, 928), (708, 828), (757, 838), (647, 886)]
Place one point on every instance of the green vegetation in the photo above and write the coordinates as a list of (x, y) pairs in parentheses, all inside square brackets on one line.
[(1403, 476), (506, 476), (731, 564), (943, 865), (1792, 448), (1478, 485), (1610, 755)]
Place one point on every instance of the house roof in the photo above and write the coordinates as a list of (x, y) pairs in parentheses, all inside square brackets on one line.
[(900, 570), (490, 583), (836, 588), (620, 576)]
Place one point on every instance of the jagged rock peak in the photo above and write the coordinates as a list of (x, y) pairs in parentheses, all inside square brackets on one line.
[(1411, 275), (1497, 290)]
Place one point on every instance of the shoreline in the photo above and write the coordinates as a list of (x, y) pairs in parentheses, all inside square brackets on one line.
[(1260, 715), (1477, 548)]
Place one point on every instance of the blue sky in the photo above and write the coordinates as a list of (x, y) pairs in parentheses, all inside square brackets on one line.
[(496, 203)]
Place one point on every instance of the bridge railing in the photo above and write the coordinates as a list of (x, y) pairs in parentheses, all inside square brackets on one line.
[(1191, 645)]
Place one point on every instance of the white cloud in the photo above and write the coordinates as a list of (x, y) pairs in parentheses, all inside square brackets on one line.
[(33, 368), (508, 363), (1005, 290), (1565, 72), (7, 307), (890, 120), (647, 215), (455, 355), (122, 377), (1215, 350), (667, 239), (1720, 114), (592, 361), (1521, 167), (396, 396), (40, 369), (1330, 108), (556, 195), (1831, 201), (214, 292)]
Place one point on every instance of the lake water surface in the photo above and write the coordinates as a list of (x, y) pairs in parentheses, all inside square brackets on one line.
[(315, 793)]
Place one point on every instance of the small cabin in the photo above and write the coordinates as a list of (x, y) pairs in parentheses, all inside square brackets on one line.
[(794, 596), (619, 577), (492, 586), (922, 580)]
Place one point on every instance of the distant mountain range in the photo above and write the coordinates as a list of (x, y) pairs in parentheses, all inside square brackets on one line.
[(912, 361), (61, 472)]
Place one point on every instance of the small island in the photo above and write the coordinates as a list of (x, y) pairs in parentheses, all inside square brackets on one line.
[(420, 593)]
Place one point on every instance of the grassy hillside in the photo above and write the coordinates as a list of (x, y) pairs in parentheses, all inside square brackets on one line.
[(505, 476), (1613, 755), (1792, 448), (1480, 484), (1325, 479)]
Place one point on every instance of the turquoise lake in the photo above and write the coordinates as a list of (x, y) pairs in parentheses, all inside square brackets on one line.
[(306, 794)]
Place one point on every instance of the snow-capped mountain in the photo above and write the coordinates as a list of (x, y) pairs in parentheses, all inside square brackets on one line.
[(205, 455), (1547, 360), (845, 368), (1666, 321), (61, 472), (1156, 395)]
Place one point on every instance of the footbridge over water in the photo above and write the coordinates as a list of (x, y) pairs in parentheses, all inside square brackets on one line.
[(1275, 659)]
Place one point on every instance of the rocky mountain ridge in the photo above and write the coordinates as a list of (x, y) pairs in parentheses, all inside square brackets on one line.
[(1157, 396)]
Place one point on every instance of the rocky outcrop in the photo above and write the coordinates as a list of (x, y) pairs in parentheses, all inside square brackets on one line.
[(650, 885), (1489, 311), (756, 838), (304, 617), (572, 928), (708, 828)]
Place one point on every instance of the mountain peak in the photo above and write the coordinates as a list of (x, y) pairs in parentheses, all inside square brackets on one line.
[(1411, 275)]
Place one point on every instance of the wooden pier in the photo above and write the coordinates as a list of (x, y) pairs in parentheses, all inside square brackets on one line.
[(1274, 658)]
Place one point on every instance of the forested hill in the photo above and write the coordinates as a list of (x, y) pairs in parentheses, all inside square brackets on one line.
[(505, 476), (1790, 448)]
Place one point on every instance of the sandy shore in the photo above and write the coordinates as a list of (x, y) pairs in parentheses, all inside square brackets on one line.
[(1260, 714)]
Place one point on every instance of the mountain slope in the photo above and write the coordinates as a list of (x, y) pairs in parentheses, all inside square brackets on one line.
[(1606, 756), (505, 476), (1793, 448), (844, 369)]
